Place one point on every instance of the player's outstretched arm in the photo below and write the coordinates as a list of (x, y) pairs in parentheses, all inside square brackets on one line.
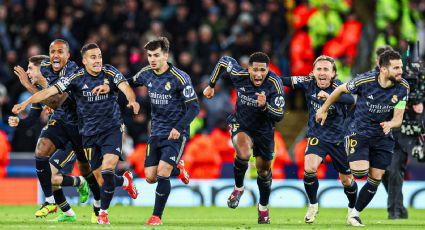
[(29, 121), (131, 97), (38, 97), (53, 102), (322, 113)]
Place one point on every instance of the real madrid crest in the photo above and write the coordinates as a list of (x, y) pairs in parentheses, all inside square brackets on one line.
[(394, 99), (168, 86)]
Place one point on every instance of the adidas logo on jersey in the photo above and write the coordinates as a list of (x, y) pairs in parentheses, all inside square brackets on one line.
[(314, 95), (242, 89), (150, 84), (118, 149), (56, 161), (370, 97), (85, 87), (173, 158)]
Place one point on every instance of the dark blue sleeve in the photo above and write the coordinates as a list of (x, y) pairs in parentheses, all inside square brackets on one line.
[(191, 102), (192, 110), (276, 104), (139, 78), (224, 66), (114, 73), (32, 118), (346, 99)]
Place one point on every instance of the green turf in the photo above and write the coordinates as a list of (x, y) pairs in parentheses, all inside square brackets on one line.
[(22, 217)]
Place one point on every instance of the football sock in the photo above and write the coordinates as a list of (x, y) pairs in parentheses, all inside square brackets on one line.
[(119, 180), (163, 189), (108, 188), (44, 175), (264, 185), (61, 200), (311, 185), (93, 185), (175, 172), (351, 192), (74, 181), (367, 193), (239, 169)]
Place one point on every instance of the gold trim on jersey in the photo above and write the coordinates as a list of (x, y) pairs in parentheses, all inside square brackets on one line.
[(279, 110), (178, 76), (75, 75), (216, 71), (110, 72), (405, 84), (241, 73), (67, 158), (181, 150), (369, 79), (190, 100), (276, 84)]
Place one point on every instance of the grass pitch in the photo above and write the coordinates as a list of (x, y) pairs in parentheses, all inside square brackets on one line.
[(121, 217)]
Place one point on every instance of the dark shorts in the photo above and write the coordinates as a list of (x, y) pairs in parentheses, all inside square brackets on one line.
[(160, 148), (96, 146), (263, 142), (64, 160), (335, 150), (377, 150), (61, 134)]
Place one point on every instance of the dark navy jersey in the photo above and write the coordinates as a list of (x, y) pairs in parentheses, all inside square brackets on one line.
[(67, 112), (96, 113), (374, 103), (247, 113), (170, 95), (333, 130)]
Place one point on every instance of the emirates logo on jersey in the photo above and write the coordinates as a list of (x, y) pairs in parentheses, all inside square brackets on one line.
[(168, 86)]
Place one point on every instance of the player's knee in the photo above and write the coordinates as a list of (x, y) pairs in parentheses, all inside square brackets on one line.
[(310, 169), (44, 148), (110, 162), (359, 173), (265, 174), (243, 154), (56, 179), (345, 180), (151, 180)]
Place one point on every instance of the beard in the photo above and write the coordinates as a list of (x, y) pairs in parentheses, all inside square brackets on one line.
[(393, 79)]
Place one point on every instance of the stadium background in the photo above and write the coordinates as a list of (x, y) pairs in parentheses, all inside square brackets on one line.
[(291, 32)]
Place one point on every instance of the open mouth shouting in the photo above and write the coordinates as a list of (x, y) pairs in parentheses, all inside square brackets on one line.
[(56, 63)]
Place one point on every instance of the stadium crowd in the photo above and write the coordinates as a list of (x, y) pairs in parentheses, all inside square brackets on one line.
[(291, 32)]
